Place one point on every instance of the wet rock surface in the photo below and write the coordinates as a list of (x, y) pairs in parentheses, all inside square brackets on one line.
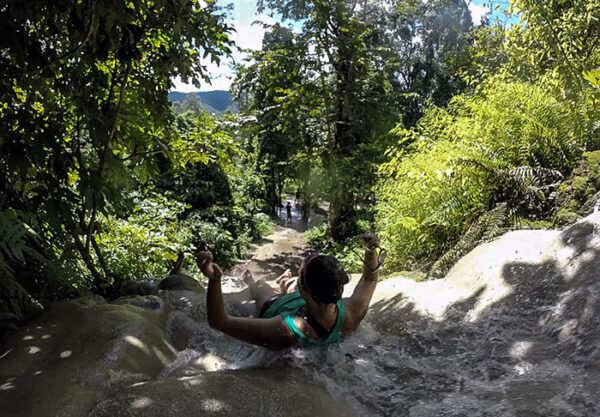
[(180, 282), (285, 392), (513, 330)]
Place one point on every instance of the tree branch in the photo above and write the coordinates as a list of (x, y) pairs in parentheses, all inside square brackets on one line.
[(101, 258), (87, 259), (73, 51), (108, 140)]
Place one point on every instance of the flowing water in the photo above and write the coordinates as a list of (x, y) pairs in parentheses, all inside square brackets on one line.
[(513, 330)]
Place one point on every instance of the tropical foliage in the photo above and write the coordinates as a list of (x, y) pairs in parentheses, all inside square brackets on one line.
[(403, 115), (86, 124), (495, 158)]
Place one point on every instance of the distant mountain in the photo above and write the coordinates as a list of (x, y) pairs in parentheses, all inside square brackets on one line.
[(216, 101), (175, 96)]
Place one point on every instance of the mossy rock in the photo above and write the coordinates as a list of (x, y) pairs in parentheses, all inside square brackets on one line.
[(577, 197), (530, 224), (580, 187), (564, 217), (151, 302), (180, 282), (593, 161), (572, 205), (414, 275), (62, 361), (139, 287), (89, 300)]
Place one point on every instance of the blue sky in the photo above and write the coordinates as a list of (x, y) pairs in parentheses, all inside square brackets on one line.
[(246, 36), (249, 36), (496, 14)]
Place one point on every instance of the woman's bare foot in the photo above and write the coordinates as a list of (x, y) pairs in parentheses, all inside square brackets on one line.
[(248, 278)]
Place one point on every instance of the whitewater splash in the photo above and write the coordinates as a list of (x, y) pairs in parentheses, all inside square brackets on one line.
[(513, 330)]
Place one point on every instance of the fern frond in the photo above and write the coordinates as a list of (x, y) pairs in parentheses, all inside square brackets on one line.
[(488, 226), (15, 237)]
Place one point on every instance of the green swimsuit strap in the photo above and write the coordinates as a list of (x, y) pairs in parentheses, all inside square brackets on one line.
[(333, 337)]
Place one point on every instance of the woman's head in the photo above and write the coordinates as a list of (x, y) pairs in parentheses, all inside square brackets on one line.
[(323, 278)]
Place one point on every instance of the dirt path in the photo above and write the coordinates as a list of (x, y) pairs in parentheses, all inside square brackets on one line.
[(284, 248)]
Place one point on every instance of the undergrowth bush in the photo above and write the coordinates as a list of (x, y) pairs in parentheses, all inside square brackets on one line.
[(263, 225), (347, 252), (147, 242), (508, 142), (317, 235)]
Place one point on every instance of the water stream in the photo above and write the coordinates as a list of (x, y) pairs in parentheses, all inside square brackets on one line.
[(513, 330)]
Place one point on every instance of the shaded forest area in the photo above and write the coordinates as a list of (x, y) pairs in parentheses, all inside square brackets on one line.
[(405, 116)]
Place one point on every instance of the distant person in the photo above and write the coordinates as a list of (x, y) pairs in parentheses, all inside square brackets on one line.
[(288, 208), (308, 311)]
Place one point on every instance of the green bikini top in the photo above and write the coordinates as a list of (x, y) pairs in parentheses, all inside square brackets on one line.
[(287, 307)]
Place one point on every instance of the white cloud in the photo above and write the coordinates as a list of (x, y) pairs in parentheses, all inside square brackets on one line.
[(181, 86), (221, 81), (249, 36), (220, 78), (246, 36), (478, 12)]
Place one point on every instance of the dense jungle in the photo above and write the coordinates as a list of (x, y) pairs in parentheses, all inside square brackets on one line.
[(472, 148)]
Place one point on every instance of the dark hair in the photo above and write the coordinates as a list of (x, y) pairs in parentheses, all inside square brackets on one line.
[(324, 278)]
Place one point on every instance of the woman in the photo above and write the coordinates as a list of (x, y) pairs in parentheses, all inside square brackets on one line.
[(315, 314)]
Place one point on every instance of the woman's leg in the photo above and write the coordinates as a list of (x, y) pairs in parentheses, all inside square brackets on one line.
[(260, 291)]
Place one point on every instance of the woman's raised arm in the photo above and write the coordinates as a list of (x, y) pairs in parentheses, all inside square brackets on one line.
[(358, 304), (272, 333)]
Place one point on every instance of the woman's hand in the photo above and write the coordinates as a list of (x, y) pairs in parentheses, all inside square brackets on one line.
[(371, 241), (206, 265), (287, 283), (369, 269)]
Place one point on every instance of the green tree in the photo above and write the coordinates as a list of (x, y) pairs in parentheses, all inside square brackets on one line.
[(431, 43), (276, 88), (557, 36), (375, 61), (84, 108), (344, 40)]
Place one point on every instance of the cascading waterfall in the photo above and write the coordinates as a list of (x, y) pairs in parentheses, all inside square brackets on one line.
[(513, 330)]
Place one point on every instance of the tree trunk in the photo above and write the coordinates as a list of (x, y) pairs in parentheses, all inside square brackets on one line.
[(341, 216), (99, 279), (272, 198), (342, 213)]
